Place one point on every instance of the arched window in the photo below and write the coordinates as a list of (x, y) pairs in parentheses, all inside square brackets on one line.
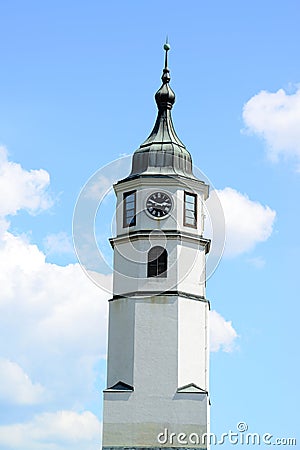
[(157, 262)]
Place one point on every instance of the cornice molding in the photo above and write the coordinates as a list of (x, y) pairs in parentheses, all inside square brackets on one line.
[(161, 235), (156, 180), (143, 294)]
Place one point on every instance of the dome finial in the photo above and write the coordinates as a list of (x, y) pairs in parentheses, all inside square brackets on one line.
[(166, 73), (165, 97), (166, 48)]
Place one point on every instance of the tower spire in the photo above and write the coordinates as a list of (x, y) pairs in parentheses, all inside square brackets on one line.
[(163, 152)]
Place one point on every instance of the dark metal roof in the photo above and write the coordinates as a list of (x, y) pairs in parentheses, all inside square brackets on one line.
[(163, 153)]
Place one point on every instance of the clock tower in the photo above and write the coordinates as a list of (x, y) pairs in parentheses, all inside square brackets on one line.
[(157, 366)]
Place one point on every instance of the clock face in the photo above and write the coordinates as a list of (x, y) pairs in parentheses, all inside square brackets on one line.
[(159, 204)]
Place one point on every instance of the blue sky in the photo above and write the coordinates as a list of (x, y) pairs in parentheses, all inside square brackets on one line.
[(77, 82)]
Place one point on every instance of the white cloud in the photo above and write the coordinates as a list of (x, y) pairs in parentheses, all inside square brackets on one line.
[(52, 318), (53, 431), (258, 262), (276, 117), (54, 315), (247, 222), (98, 187), (22, 189), (222, 333), (58, 243), (100, 184), (16, 386)]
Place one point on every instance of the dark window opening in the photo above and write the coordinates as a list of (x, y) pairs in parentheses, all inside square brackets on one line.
[(157, 262), (129, 209), (190, 210)]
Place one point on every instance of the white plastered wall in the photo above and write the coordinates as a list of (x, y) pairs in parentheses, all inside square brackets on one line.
[(167, 331)]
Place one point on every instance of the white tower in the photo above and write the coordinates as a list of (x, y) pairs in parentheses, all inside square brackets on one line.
[(157, 367)]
